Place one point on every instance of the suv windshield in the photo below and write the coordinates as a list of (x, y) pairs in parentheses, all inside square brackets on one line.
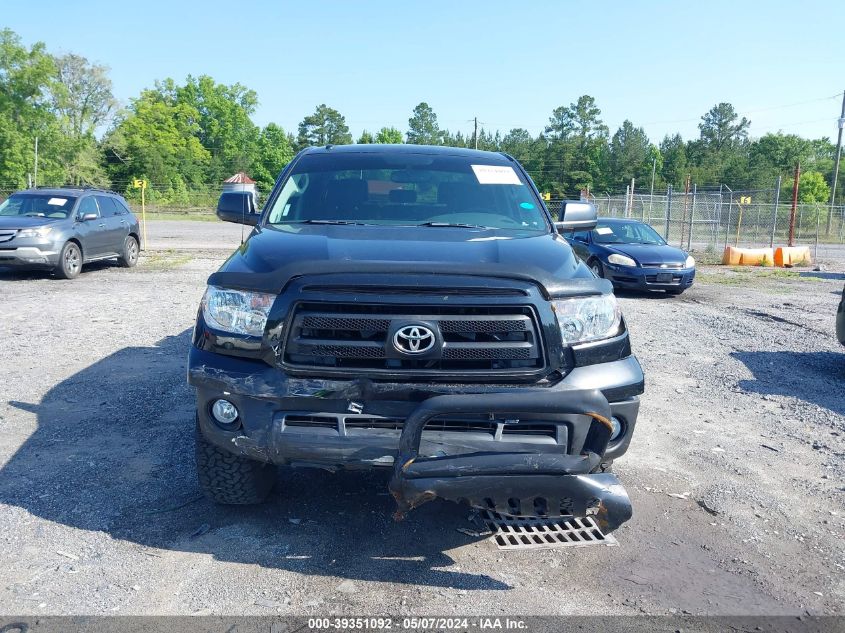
[(408, 190), (37, 205), (625, 233)]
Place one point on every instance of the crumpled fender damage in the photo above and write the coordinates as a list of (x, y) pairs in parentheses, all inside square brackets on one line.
[(514, 483)]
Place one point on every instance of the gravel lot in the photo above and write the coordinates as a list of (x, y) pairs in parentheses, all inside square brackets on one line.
[(736, 472)]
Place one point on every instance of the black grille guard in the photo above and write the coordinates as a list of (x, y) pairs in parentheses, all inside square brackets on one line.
[(554, 484)]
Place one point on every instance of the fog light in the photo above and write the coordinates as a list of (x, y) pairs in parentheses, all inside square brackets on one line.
[(615, 433), (224, 411)]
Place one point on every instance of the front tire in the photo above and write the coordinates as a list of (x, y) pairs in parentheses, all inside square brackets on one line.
[(129, 256), (70, 261), (597, 268), (228, 479)]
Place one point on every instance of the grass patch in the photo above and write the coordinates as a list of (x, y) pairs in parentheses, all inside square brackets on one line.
[(164, 260), (744, 275)]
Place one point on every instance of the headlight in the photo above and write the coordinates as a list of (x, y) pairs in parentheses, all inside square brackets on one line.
[(690, 263), (236, 311), (41, 231), (587, 318), (621, 260)]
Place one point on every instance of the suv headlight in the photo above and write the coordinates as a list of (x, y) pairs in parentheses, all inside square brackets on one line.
[(587, 318), (690, 263), (621, 260), (41, 231), (236, 311)]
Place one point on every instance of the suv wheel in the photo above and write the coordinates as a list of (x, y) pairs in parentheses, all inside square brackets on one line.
[(129, 256), (228, 479), (70, 261)]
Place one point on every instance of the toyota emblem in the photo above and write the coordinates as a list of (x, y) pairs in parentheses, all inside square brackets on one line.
[(413, 339)]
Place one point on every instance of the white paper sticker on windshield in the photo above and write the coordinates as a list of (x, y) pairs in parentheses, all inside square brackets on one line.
[(495, 175), (57, 202), (604, 230)]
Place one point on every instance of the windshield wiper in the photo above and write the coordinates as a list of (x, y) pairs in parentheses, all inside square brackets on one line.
[(327, 222), (460, 225)]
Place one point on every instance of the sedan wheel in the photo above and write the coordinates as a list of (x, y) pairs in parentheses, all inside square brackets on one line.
[(597, 269)]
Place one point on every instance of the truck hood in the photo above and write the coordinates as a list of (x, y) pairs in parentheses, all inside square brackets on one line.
[(24, 222), (272, 257)]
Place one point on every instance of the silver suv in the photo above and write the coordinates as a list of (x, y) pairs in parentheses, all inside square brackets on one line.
[(62, 229)]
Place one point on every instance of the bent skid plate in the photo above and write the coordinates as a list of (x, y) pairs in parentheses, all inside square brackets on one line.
[(599, 496), (512, 483)]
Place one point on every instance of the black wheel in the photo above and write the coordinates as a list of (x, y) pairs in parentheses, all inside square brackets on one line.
[(129, 256), (597, 268), (674, 291), (228, 479), (70, 261)]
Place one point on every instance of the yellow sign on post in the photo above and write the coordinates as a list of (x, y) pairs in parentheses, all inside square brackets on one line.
[(547, 196), (142, 185)]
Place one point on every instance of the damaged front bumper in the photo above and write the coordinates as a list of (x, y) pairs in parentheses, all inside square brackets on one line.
[(512, 469), (515, 483)]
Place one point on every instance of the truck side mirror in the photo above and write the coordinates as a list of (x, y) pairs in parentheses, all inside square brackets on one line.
[(238, 207), (576, 215)]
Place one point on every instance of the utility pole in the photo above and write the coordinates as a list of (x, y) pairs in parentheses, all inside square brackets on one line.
[(686, 206), (794, 204), (836, 165), (475, 131), (35, 173)]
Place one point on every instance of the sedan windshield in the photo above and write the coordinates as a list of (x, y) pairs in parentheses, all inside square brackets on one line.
[(37, 205), (625, 233), (405, 189)]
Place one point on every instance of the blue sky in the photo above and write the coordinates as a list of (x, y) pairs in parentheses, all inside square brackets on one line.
[(660, 64)]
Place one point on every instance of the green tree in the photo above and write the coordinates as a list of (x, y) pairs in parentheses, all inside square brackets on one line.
[(27, 79), (389, 136), (275, 150), (326, 126), (812, 187), (721, 128), (423, 128), (630, 154), (157, 138), (577, 151), (225, 128), (83, 102), (366, 138)]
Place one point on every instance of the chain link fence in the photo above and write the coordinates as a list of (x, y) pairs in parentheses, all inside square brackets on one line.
[(707, 221)]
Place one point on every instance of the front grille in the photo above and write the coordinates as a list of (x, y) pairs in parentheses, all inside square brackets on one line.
[(350, 338), (496, 429), (662, 265)]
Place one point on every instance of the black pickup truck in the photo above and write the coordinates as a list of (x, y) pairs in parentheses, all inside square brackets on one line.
[(415, 308)]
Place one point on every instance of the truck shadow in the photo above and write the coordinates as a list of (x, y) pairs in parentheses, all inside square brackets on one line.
[(814, 377), (113, 452)]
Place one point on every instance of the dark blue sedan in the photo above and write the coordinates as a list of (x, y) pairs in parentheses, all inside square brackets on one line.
[(632, 255)]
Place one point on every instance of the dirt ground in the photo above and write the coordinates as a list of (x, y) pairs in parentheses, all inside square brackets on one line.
[(736, 471)]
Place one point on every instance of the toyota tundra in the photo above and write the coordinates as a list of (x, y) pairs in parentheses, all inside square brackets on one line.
[(417, 309)]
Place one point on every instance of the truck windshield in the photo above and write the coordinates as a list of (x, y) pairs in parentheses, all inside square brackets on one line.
[(37, 205), (406, 189)]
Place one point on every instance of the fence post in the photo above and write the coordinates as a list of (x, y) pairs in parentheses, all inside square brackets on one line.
[(692, 216), (668, 212), (730, 212), (775, 213)]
